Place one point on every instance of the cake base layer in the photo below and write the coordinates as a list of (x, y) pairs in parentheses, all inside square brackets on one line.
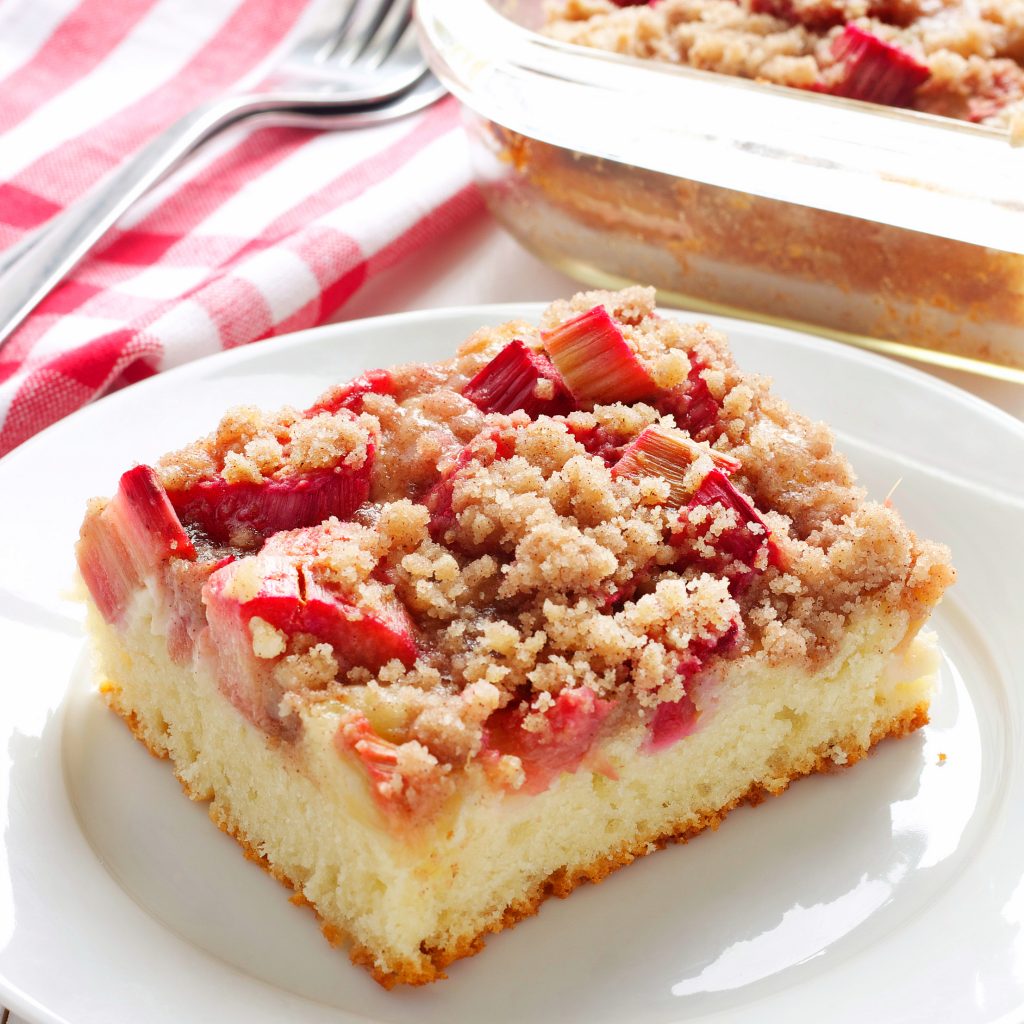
[(411, 903)]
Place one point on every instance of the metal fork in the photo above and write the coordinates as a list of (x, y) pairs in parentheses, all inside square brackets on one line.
[(356, 63), (323, 69)]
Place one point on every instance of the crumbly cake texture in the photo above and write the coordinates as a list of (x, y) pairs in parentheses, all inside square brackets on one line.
[(950, 57), (458, 637)]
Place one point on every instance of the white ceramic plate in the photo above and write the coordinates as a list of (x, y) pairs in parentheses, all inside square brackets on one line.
[(893, 892)]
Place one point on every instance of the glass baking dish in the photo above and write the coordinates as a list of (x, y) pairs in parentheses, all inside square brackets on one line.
[(890, 229)]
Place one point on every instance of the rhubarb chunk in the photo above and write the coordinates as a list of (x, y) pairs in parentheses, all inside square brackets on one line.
[(675, 720), (378, 756), (672, 721), (291, 598), (740, 549), (106, 567), (295, 602), (872, 70), (484, 449), (598, 440), (405, 779), (152, 529), (280, 596), (694, 407), (560, 739), (668, 454), (595, 360), (518, 379), (350, 395), (259, 473), (230, 512), (818, 16), (128, 540)]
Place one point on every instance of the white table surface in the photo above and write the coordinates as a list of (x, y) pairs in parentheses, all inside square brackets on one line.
[(483, 264)]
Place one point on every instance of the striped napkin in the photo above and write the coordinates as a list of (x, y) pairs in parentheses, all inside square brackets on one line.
[(260, 234)]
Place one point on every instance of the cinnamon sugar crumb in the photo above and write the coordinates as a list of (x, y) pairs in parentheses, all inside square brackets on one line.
[(267, 641), (250, 445), (313, 669), (316, 443)]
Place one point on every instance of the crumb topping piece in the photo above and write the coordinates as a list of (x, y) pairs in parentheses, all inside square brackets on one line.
[(518, 379), (261, 473)]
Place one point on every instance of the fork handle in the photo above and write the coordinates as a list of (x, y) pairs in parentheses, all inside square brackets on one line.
[(74, 232)]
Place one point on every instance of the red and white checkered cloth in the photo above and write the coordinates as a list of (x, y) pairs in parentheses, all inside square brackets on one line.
[(258, 235)]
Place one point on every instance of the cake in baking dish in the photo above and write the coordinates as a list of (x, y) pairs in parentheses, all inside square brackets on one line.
[(956, 58), (462, 635)]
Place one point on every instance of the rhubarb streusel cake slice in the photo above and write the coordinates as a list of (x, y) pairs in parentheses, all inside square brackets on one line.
[(460, 636)]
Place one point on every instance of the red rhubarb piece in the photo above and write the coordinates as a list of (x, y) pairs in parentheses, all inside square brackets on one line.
[(716, 489), (570, 727), (292, 598), (596, 362), (692, 405), (378, 755), (672, 721), (225, 511), (776, 8), (153, 530), (295, 602), (872, 70), (818, 16), (350, 395), (135, 533), (396, 789), (520, 379), (737, 544), (668, 454), (487, 447), (106, 566), (598, 440), (245, 679), (288, 597)]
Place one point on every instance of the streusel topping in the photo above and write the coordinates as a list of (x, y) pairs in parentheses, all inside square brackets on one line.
[(496, 569), (250, 445)]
